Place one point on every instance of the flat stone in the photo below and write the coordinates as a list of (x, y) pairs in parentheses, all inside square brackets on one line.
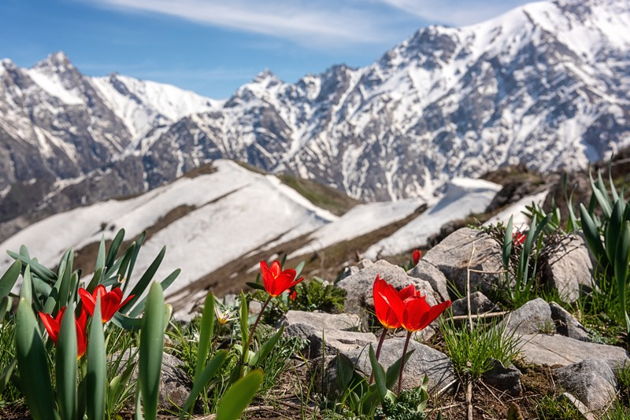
[(428, 272), (358, 286), (479, 304), (558, 350), (322, 320), (566, 324), (423, 361), (568, 267), (452, 257), (329, 341), (533, 317), (591, 381)]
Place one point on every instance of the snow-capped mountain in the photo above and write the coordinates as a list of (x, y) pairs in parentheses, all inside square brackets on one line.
[(546, 84)]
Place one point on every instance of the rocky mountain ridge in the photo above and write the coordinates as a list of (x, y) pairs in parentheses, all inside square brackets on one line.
[(545, 85)]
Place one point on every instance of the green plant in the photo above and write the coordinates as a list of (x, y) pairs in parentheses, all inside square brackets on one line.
[(472, 350), (623, 381), (359, 396), (607, 232), (617, 411), (318, 295), (409, 405), (520, 257), (554, 408)]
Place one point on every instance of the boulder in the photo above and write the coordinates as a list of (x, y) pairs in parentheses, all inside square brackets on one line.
[(533, 317), (358, 286), (452, 257), (428, 272), (558, 350), (566, 324), (326, 333), (479, 304), (591, 381), (506, 378), (423, 361), (568, 267)]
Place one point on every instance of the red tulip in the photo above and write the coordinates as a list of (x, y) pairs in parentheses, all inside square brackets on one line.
[(277, 281), (518, 238), (53, 326), (293, 295), (417, 314), (415, 256), (111, 301), (388, 304)]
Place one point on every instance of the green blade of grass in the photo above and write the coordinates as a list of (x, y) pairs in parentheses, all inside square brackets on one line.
[(96, 367), (66, 365), (206, 333), (33, 364), (239, 396), (151, 349)]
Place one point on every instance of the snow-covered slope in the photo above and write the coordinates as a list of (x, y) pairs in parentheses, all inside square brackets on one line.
[(226, 214), (358, 221), (463, 197)]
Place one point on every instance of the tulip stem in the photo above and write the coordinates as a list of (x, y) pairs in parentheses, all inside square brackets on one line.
[(253, 331), (380, 343), (402, 362), (378, 350)]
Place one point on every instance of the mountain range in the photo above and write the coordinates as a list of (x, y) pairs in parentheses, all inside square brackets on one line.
[(546, 85)]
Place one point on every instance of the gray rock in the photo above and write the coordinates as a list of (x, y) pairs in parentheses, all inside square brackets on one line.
[(322, 320), (566, 324), (452, 257), (591, 381), (533, 317), (424, 361), (479, 304), (552, 350), (329, 341), (428, 272), (569, 267), (358, 286), (175, 385), (504, 378)]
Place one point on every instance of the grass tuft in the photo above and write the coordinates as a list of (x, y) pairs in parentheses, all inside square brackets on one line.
[(473, 350)]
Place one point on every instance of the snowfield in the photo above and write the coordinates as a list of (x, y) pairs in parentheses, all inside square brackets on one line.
[(463, 197)]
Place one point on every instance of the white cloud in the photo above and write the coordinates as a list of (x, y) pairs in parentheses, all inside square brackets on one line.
[(329, 23), (455, 12), (314, 22)]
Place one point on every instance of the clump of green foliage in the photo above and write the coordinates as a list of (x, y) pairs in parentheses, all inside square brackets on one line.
[(606, 226), (409, 405), (554, 408), (472, 350)]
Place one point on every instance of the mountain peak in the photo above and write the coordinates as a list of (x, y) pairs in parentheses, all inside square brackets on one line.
[(265, 76), (57, 62)]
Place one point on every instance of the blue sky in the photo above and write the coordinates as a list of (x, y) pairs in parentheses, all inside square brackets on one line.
[(211, 46)]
